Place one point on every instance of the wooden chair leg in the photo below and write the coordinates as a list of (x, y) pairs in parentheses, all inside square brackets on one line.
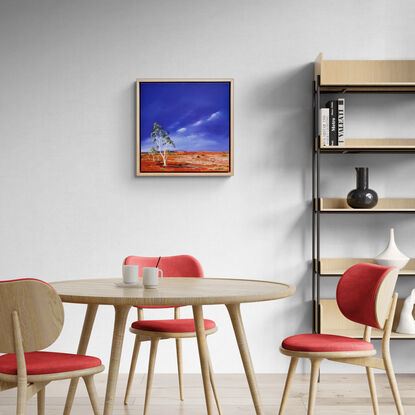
[(290, 375), (372, 387), (92, 392), (91, 312), (212, 383), (150, 372), (315, 368), (133, 365), (179, 356), (41, 402), (180, 366), (394, 386), (21, 399)]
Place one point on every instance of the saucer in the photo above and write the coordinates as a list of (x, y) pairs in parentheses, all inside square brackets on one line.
[(123, 285)]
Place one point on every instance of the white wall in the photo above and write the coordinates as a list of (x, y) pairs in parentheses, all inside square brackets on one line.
[(73, 208)]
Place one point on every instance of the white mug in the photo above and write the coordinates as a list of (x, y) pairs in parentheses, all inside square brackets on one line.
[(130, 274), (151, 277)]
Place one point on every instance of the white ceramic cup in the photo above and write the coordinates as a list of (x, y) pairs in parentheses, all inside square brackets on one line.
[(130, 274), (151, 277)]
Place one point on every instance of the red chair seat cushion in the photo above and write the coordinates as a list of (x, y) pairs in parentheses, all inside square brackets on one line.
[(184, 325), (41, 363), (325, 343)]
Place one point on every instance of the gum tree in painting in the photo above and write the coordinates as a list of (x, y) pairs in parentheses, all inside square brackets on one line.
[(161, 141)]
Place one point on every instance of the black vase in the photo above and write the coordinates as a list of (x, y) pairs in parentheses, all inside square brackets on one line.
[(362, 197)]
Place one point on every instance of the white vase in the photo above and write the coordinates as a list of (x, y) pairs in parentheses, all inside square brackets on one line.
[(392, 256), (407, 321)]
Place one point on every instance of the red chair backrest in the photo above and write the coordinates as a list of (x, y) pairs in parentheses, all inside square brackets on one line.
[(364, 293), (39, 310), (172, 266)]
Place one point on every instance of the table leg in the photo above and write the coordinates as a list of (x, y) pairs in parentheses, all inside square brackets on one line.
[(121, 313), (91, 312), (203, 355), (238, 327)]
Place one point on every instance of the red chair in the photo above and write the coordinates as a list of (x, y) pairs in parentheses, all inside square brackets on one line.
[(365, 296), (31, 319), (155, 330)]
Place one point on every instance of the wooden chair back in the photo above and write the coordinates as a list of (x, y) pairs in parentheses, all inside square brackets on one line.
[(39, 310), (172, 266), (364, 293)]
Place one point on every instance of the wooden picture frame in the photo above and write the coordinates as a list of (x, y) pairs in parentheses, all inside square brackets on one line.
[(184, 127)]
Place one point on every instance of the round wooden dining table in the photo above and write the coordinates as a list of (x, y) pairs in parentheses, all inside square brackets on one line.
[(195, 292)]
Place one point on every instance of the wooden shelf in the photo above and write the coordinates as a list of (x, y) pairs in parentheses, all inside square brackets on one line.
[(332, 267), (365, 75), (372, 145), (333, 322), (392, 205)]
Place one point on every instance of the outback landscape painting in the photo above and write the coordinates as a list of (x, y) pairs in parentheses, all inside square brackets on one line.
[(184, 127)]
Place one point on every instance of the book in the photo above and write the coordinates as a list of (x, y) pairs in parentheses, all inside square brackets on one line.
[(324, 127), (340, 121), (332, 106)]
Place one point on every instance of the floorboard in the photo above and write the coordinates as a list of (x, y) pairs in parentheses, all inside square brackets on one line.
[(337, 394)]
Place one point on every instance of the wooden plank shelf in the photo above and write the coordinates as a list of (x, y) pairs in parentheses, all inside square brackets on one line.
[(391, 205), (333, 322), (351, 89), (333, 267), (372, 145), (365, 75)]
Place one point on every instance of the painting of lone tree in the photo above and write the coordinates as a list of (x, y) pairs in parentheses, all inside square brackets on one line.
[(184, 127)]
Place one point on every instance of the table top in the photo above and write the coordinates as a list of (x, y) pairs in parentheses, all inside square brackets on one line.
[(172, 291)]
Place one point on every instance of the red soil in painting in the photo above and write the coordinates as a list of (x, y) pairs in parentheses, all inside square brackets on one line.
[(187, 162)]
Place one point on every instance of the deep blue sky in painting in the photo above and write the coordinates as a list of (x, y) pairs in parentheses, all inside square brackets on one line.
[(196, 114)]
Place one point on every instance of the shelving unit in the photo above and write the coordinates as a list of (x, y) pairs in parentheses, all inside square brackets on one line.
[(350, 77)]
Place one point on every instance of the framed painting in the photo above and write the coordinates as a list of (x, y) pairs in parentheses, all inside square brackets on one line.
[(184, 127)]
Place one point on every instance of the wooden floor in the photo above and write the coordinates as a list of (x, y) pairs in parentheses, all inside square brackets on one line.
[(337, 394)]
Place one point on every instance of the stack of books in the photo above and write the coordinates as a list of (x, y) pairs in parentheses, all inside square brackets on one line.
[(331, 123)]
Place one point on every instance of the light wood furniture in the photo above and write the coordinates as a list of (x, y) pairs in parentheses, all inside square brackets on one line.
[(154, 337), (334, 322), (365, 75), (343, 77), (331, 267), (392, 205), (172, 291), (384, 305), (172, 267), (31, 319), (372, 145)]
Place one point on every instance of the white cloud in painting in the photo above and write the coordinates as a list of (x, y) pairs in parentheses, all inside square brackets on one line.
[(182, 130), (213, 116), (197, 123)]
